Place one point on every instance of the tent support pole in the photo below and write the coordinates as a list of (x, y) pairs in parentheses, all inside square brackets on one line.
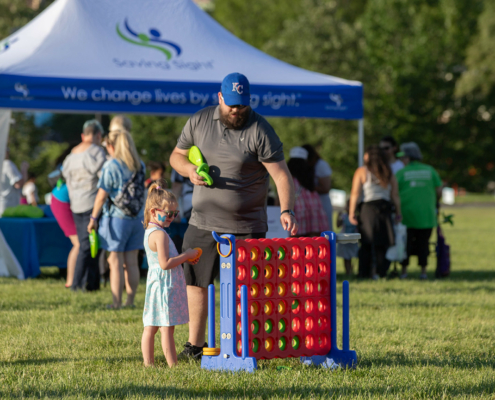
[(361, 141)]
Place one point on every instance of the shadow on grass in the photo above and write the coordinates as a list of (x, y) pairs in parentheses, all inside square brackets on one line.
[(302, 391), (455, 275), (45, 361), (395, 360)]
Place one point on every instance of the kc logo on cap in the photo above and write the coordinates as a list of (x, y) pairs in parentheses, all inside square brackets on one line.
[(236, 87), (236, 90)]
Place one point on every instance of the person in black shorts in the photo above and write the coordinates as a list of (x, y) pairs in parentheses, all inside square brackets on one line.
[(243, 151)]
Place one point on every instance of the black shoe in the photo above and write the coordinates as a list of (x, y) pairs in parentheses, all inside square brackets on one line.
[(190, 351)]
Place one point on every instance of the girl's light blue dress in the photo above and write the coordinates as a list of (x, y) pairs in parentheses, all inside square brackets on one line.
[(166, 296)]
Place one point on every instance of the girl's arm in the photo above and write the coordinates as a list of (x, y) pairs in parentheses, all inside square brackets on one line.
[(158, 241), (396, 199), (357, 185), (101, 197)]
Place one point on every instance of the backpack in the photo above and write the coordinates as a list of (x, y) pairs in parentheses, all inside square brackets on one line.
[(443, 255), (131, 199)]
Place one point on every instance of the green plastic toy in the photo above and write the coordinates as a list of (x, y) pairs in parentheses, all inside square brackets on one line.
[(93, 243), (195, 157)]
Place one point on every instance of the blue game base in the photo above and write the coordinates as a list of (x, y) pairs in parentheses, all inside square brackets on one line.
[(335, 358), (233, 363)]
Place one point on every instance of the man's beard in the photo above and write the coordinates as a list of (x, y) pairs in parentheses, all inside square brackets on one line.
[(235, 122)]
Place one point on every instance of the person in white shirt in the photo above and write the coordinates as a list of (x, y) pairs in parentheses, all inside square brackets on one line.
[(10, 184), (390, 147), (30, 191)]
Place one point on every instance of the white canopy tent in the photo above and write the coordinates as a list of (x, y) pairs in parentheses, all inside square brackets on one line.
[(162, 57)]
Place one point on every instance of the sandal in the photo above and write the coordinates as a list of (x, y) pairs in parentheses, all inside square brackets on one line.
[(112, 307)]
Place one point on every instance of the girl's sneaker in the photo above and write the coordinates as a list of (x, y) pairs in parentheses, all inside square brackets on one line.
[(423, 277), (403, 276)]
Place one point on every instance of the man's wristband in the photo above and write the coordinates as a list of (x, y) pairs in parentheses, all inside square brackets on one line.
[(290, 212), (93, 218)]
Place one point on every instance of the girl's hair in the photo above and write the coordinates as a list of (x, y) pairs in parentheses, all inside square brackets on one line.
[(300, 170), (158, 197), (378, 165), (125, 149)]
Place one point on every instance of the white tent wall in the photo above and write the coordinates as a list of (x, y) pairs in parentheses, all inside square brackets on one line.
[(9, 266)]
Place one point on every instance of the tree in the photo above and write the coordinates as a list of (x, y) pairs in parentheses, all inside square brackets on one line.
[(480, 60)]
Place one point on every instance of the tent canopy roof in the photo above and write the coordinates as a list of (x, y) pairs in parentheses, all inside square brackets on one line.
[(150, 56)]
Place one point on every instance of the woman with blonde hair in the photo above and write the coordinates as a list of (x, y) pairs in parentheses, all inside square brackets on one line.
[(120, 199), (376, 185)]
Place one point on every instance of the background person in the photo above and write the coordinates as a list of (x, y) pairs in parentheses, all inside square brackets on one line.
[(323, 181), (157, 169), (120, 122), (11, 183), (120, 234), (389, 147), (183, 190), (307, 204), (60, 206), (80, 170), (30, 191), (242, 150), (347, 251), (378, 186), (420, 188)]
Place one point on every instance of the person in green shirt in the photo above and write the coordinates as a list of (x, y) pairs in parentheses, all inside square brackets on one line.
[(420, 188)]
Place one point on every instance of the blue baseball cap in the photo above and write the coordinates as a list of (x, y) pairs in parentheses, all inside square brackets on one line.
[(235, 90)]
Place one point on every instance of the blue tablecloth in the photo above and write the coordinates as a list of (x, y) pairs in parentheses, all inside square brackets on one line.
[(36, 242)]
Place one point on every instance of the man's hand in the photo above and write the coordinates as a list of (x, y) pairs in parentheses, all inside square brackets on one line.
[(194, 177), (289, 223), (92, 225)]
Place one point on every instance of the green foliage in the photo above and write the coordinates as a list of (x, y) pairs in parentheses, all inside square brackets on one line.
[(414, 339), (14, 14), (409, 55), (480, 60), (156, 137)]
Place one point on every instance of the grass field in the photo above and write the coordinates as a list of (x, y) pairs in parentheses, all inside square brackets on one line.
[(414, 339)]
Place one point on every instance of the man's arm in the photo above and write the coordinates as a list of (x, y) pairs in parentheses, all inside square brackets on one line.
[(180, 162), (285, 188)]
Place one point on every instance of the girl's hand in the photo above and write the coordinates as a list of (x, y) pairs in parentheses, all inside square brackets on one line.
[(353, 220), (192, 256)]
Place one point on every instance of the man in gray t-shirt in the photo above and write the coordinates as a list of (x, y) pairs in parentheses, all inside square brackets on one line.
[(242, 151)]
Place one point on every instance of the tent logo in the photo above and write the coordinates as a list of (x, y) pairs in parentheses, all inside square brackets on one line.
[(337, 99), (23, 89), (5, 44), (153, 40)]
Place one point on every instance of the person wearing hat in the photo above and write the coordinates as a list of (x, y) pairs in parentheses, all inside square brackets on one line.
[(243, 151), (420, 188), (308, 207)]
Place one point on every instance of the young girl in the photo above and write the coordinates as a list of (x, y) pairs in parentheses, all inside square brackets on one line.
[(166, 299), (346, 250)]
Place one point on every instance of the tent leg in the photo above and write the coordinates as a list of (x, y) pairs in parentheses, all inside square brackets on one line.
[(360, 141), (5, 116)]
